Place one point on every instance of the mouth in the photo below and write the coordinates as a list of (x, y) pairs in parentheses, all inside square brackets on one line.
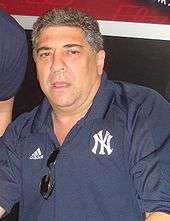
[(60, 85)]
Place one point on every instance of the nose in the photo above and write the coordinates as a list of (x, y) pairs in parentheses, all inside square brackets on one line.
[(58, 64)]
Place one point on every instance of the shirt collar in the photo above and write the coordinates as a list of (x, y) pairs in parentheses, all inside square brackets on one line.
[(102, 101), (98, 110)]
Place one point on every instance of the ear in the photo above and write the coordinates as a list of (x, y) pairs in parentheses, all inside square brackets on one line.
[(100, 61)]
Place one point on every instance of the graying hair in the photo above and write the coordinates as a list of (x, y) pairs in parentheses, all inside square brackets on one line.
[(73, 18)]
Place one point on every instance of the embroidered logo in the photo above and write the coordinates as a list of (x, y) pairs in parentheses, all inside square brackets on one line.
[(37, 155), (104, 142)]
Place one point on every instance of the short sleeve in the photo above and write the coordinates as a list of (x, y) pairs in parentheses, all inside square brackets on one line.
[(150, 143), (13, 54)]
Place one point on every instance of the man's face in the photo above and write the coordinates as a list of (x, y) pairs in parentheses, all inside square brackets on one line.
[(69, 71)]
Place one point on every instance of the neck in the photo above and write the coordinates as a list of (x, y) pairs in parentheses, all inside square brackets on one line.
[(62, 124), (65, 118)]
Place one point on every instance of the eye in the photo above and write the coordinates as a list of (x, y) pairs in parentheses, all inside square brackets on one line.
[(73, 52), (45, 54)]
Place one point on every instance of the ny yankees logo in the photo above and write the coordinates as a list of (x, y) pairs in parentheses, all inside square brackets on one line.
[(104, 143)]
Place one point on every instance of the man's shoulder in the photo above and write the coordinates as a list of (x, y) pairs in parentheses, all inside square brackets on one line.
[(25, 123), (135, 93), (25, 118), (130, 97)]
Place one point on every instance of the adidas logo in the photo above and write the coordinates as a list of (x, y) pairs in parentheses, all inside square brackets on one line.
[(37, 155)]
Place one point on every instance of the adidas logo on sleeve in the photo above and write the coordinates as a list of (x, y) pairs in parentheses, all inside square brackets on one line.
[(37, 155)]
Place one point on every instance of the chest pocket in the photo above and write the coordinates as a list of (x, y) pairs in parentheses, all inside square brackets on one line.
[(35, 149)]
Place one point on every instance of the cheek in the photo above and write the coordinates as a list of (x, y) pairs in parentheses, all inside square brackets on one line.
[(42, 71), (80, 75)]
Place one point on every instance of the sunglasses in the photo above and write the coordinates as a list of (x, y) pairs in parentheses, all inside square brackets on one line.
[(48, 182)]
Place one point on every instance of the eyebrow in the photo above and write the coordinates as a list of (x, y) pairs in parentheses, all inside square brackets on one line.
[(44, 48), (73, 45)]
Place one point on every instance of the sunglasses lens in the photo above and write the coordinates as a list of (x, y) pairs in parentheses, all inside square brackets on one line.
[(46, 186), (52, 158), (47, 182)]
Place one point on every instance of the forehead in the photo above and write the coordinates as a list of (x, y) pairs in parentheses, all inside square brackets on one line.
[(62, 35)]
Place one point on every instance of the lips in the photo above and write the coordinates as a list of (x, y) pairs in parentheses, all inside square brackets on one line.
[(59, 85)]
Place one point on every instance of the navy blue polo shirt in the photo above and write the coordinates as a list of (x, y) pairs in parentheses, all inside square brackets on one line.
[(13, 56), (108, 168)]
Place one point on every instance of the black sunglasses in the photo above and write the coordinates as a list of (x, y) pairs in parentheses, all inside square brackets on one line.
[(48, 182)]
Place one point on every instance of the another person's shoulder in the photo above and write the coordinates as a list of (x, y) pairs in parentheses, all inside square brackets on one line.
[(8, 23), (13, 54)]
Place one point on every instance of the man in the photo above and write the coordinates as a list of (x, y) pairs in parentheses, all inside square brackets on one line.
[(13, 54), (91, 150)]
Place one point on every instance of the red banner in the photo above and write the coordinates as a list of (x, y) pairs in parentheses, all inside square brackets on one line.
[(145, 11)]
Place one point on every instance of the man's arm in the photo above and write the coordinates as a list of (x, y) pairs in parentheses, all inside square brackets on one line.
[(5, 114), (2, 211), (157, 216)]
